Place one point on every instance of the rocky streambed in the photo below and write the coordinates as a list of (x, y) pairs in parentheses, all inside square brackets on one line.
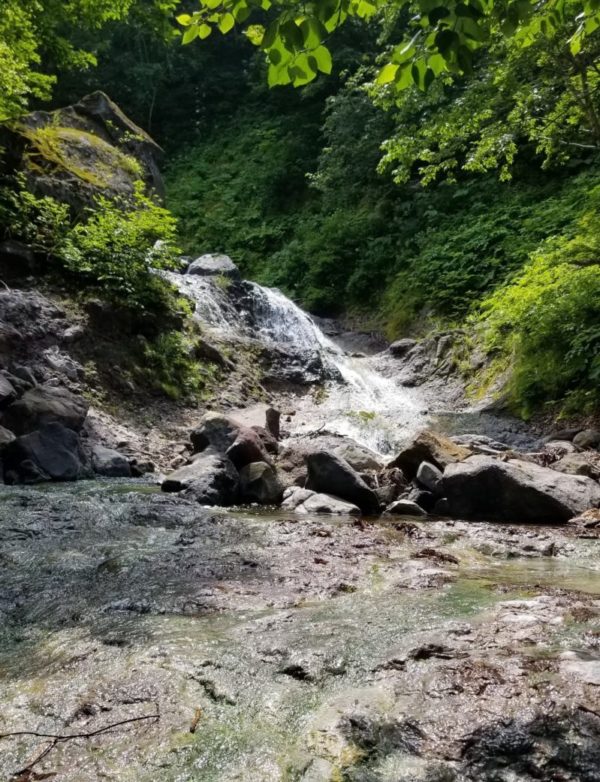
[(233, 645)]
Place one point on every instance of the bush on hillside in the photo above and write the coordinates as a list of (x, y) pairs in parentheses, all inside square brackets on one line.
[(546, 323)]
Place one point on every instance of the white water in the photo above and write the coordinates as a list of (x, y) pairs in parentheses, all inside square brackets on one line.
[(366, 405)]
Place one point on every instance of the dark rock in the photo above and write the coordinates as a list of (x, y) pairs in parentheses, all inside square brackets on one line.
[(141, 468), (216, 431), (247, 448), (272, 422), (210, 479), (214, 265), (51, 453), (426, 499), (406, 508), (241, 444), (17, 260), (589, 438), (6, 438), (205, 351), (110, 463), (269, 443), (17, 383), (73, 333), (8, 393), (359, 457), (430, 477), (486, 488), (430, 447), (25, 374), (401, 347), (563, 434), (441, 507), (259, 483), (45, 404), (330, 474)]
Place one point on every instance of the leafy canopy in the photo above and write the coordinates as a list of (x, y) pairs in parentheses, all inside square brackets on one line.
[(436, 36), (38, 38)]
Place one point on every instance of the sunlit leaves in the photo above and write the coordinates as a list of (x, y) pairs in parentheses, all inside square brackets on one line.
[(443, 35)]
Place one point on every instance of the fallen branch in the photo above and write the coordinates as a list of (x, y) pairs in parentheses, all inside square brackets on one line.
[(27, 773), (85, 735)]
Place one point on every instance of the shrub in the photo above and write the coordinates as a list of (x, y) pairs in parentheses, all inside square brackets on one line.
[(546, 322), (171, 368), (119, 249), (42, 223)]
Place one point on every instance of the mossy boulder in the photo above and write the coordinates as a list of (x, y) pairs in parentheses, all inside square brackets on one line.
[(79, 152)]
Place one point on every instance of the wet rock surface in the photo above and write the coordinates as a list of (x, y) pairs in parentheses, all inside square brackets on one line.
[(281, 648)]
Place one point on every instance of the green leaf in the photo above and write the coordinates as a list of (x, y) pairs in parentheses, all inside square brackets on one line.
[(292, 36), (190, 34), (418, 70), (204, 31), (446, 41), (313, 32), (437, 64), (323, 57), (270, 35), (255, 33), (387, 73), (184, 19), (226, 23)]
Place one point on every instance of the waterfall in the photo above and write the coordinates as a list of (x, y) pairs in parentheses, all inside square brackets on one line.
[(359, 399)]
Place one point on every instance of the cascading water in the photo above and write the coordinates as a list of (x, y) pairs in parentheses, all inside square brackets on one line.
[(359, 400)]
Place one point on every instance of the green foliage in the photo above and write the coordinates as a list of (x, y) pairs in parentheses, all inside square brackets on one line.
[(37, 36), (170, 367), (40, 222), (119, 248), (435, 36), (546, 323), (537, 99)]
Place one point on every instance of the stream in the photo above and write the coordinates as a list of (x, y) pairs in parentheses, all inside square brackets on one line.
[(169, 642)]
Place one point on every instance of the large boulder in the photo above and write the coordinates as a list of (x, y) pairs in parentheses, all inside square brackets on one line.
[(210, 479), (240, 443), (401, 347), (8, 392), (43, 405), (214, 265), (110, 463), (6, 438), (589, 438), (579, 464), (259, 483), (330, 474), (53, 453), (427, 446), (81, 151), (359, 457), (486, 488), (430, 477)]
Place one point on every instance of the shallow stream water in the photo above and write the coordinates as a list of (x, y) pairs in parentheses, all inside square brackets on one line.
[(313, 650)]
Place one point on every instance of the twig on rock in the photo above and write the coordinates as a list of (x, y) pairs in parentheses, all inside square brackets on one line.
[(27, 773)]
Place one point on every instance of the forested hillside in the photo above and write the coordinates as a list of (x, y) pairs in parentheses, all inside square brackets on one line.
[(471, 204)]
